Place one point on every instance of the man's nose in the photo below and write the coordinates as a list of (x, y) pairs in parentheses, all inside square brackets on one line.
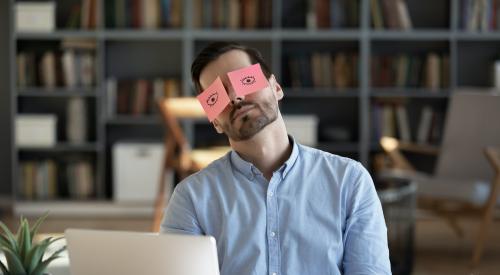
[(235, 99)]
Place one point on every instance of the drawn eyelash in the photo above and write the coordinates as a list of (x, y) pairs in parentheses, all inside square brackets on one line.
[(212, 99), (248, 80)]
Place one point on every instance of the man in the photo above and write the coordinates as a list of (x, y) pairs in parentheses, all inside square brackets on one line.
[(275, 206)]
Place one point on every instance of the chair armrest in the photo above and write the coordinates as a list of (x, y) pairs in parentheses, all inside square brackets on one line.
[(401, 174), (390, 143), (493, 156)]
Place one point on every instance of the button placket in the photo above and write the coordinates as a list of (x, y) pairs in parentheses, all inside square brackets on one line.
[(272, 226)]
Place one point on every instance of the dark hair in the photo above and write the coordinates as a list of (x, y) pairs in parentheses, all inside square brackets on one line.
[(216, 49)]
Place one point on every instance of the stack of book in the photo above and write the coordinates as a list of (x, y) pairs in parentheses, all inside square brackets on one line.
[(43, 180), (480, 15), (391, 119), (232, 14), (390, 14), (321, 69), (38, 180), (83, 15), (80, 179), (144, 14), (138, 97), (321, 14), (73, 66), (404, 70)]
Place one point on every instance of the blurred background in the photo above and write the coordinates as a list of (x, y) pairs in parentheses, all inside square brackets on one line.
[(378, 81)]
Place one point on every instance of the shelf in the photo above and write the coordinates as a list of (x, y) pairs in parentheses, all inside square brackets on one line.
[(62, 148), (234, 34), (140, 34), (93, 208), (475, 36), (411, 35), (320, 92), (58, 34), (131, 120), (344, 147), (56, 92), (409, 92), (305, 34)]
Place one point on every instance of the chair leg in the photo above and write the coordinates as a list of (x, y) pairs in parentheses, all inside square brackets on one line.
[(453, 223), (483, 231), (159, 204)]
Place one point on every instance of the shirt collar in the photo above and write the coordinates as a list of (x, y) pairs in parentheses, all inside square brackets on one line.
[(250, 171)]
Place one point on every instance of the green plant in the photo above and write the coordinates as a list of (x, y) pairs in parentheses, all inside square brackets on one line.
[(23, 257)]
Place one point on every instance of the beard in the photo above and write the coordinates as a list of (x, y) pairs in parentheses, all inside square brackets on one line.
[(252, 122)]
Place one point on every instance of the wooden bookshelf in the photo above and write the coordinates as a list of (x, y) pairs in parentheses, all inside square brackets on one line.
[(133, 53)]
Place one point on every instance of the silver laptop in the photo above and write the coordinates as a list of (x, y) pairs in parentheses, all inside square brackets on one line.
[(95, 252)]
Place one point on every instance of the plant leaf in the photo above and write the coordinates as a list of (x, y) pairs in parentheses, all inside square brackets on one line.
[(37, 224), (36, 254), (3, 268), (24, 242), (14, 263), (4, 242), (9, 236), (59, 251), (43, 266)]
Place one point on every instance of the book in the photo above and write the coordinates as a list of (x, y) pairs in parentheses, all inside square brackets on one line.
[(47, 70), (404, 20), (87, 69), (376, 13), (424, 127), (388, 125), (403, 123), (68, 64), (150, 15), (433, 72), (76, 121), (111, 91), (21, 63)]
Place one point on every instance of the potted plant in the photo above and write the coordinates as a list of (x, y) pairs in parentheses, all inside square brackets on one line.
[(22, 256)]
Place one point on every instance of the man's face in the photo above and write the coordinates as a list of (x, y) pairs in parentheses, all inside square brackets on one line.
[(244, 116)]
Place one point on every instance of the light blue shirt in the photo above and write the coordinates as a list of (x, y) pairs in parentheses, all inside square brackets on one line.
[(319, 214)]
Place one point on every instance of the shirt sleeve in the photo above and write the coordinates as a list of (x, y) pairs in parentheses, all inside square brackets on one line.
[(180, 215), (365, 237)]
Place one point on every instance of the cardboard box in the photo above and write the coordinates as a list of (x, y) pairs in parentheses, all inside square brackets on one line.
[(36, 130), (35, 16), (136, 171), (304, 128)]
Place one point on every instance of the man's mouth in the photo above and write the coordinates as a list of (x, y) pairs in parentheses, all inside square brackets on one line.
[(241, 111)]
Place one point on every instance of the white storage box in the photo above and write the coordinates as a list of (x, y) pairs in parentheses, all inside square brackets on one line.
[(36, 130), (136, 171), (304, 128), (35, 16)]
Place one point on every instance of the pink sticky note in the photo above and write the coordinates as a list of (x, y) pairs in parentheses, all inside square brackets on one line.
[(248, 80), (214, 99)]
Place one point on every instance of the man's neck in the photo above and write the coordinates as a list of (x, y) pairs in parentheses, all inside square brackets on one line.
[(268, 149)]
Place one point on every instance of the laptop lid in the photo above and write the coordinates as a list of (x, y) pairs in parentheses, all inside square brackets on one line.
[(132, 253)]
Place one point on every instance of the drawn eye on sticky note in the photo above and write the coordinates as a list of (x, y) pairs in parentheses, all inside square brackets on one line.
[(214, 99), (248, 80)]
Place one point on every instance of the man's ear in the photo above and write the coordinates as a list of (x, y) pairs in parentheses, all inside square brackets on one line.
[(276, 88), (217, 127)]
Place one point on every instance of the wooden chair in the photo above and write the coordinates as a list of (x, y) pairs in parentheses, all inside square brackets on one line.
[(179, 156), (463, 184)]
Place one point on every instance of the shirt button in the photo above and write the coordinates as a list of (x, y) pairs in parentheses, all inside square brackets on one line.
[(274, 273), (272, 235), (270, 193)]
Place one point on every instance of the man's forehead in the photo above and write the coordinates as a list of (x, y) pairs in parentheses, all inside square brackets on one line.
[(227, 62)]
